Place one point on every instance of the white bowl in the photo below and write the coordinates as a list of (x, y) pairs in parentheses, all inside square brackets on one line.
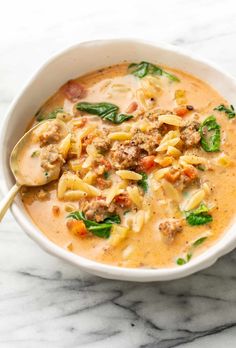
[(78, 60)]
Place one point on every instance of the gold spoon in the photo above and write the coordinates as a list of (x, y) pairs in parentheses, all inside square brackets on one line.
[(16, 160)]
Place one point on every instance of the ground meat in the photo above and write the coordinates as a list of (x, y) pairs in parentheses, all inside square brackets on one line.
[(147, 142), (102, 145), (170, 228), (123, 200), (190, 134), (103, 184), (51, 135), (125, 155), (97, 209), (51, 158)]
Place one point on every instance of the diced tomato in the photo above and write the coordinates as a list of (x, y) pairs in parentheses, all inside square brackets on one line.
[(77, 227), (106, 163), (172, 176), (147, 163), (56, 210), (73, 90), (191, 172), (123, 200), (181, 111), (132, 107)]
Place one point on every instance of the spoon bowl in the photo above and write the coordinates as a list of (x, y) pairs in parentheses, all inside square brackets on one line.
[(22, 153)]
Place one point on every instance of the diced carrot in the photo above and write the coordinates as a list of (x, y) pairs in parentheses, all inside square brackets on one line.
[(172, 176), (56, 210), (181, 111), (132, 107), (191, 172), (77, 227), (147, 163)]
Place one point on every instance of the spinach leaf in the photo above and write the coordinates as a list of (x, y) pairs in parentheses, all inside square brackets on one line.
[(53, 114), (106, 175), (228, 111), (99, 109), (198, 216), (106, 111), (101, 229), (199, 241), (210, 135), (122, 117), (181, 261), (143, 182), (144, 68), (201, 167)]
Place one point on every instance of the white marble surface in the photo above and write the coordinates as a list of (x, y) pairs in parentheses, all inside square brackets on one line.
[(47, 303)]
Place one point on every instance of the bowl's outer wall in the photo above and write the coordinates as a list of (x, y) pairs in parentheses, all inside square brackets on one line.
[(76, 61)]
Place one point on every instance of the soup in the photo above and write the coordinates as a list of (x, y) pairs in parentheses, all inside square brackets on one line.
[(145, 157)]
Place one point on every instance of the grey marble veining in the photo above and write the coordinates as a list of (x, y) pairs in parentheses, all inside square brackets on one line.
[(47, 303)]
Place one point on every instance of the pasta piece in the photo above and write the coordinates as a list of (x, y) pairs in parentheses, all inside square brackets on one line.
[(170, 135), (129, 175), (92, 154), (180, 96), (193, 159), (88, 162), (64, 146), (164, 146), (76, 146), (74, 195), (141, 98), (171, 120), (120, 136), (195, 200), (89, 177), (138, 221), (122, 88), (118, 234), (164, 161), (115, 190), (173, 151), (135, 196), (75, 165), (206, 188), (170, 190), (144, 125), (72, 182), (160, 173)]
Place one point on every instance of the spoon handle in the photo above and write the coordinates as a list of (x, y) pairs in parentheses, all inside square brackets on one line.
[(8, 199)]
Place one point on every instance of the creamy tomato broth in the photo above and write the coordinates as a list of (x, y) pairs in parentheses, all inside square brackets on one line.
[(147, 169)]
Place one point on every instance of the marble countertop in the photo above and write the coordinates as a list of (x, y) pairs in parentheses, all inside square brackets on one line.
[(47, 303)]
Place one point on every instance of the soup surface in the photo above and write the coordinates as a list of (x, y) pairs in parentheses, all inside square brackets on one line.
[(146, 162)]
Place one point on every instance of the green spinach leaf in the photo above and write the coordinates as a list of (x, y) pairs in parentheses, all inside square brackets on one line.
[(210, 135), (199, 241), (51, 115), (106, 111), (101, 229), (198, 216), (228, 111), (144, 68), (143, 182)]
